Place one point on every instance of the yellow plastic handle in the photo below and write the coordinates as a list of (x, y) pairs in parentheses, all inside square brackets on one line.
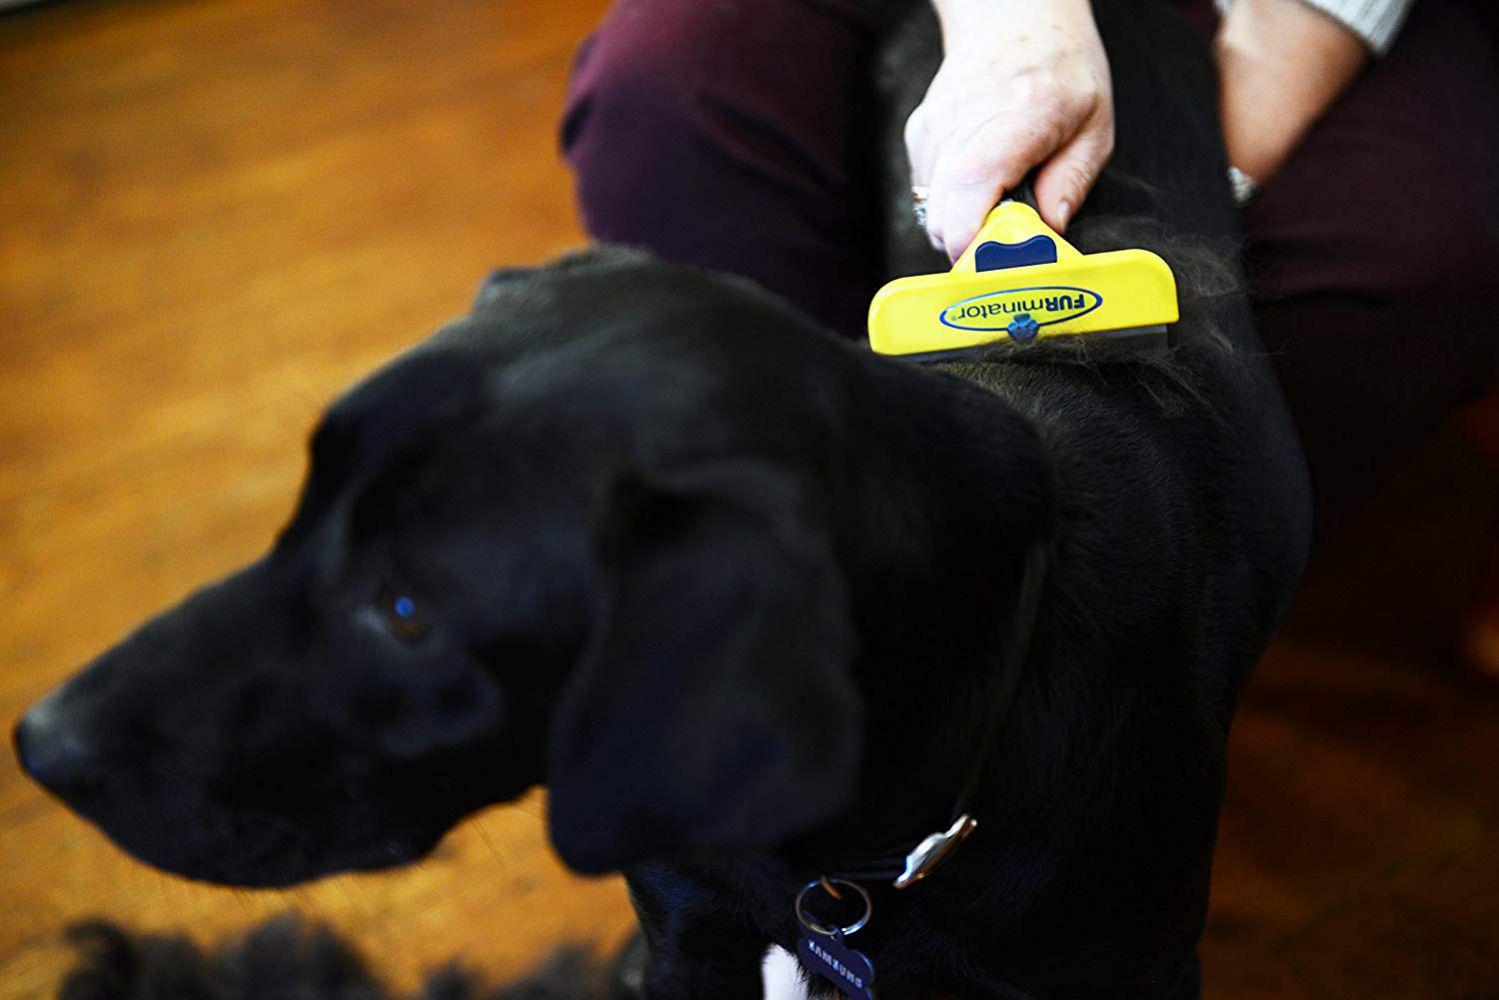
[(1013, 222), (1077, 293)]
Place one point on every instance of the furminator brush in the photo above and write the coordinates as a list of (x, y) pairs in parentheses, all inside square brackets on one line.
[(1021, 282)]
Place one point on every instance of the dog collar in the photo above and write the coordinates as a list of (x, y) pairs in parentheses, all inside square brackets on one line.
[(912, 863), (823, 947)]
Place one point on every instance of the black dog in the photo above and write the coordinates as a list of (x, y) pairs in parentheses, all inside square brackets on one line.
[(749, 600)]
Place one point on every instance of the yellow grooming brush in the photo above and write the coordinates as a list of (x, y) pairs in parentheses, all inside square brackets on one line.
[(1020, 282)]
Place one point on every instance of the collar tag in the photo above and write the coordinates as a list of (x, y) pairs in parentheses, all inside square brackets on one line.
[(823, 947), (850, 972)]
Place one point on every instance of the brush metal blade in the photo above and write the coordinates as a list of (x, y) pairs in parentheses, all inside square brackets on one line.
[(1148, 339)]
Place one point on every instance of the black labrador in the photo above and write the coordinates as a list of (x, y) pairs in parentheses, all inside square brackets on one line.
[(750, 601)]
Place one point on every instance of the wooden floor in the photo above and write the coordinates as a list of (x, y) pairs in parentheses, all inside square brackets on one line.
[(215, 214)]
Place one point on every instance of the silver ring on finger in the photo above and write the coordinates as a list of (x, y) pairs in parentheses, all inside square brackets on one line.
[(919, 195)]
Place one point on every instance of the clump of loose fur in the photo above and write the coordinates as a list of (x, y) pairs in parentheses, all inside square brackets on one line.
[(287, 959), (1210, 285)]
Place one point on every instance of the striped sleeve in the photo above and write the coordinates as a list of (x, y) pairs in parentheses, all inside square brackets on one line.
[(1377, 22)]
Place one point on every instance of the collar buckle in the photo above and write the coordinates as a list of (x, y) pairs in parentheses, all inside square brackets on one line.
[(934, 850)]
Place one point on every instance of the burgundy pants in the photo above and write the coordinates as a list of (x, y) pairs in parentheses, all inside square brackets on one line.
[(719, 133)]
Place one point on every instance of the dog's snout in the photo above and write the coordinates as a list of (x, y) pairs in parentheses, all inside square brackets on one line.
[(53, 751)]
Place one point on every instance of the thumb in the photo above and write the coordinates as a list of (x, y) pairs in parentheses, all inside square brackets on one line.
[(1064, 182)]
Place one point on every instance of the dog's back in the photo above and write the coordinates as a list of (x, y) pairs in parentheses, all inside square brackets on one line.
[(1211, 402), (1185, 522)]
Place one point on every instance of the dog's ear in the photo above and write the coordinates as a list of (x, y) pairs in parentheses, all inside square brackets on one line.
[(715, 706)]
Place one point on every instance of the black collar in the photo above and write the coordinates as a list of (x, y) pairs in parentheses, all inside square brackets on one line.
[(911, 863)]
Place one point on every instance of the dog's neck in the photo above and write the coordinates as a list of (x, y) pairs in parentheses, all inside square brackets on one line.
[(961, 493)]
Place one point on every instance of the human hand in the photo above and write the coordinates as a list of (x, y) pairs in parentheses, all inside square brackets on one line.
[(1282, 64), (1023, 84)]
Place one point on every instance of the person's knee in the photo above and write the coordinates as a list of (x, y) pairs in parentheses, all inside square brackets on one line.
[(1441, 255), (1442, 287), (631, 105)]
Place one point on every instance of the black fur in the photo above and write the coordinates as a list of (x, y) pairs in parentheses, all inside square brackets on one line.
[(286, 959), (738, 591)]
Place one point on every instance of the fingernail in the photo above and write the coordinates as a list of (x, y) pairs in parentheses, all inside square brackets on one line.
[(1064, 214)]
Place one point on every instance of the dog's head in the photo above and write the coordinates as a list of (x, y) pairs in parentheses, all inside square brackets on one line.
[(575, 537)]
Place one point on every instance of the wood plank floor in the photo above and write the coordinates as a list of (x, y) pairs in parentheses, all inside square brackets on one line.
[(214, 215)]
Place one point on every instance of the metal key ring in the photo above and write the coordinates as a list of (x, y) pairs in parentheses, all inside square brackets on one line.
[(823, 929)]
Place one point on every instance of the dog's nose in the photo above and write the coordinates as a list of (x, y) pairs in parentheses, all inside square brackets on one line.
[(53, 753)]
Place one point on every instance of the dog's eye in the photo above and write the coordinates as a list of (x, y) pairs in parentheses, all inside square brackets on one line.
[(401, 614)]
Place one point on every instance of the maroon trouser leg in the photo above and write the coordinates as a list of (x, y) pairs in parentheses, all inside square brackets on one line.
[(1375, 253), (721, 133)]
